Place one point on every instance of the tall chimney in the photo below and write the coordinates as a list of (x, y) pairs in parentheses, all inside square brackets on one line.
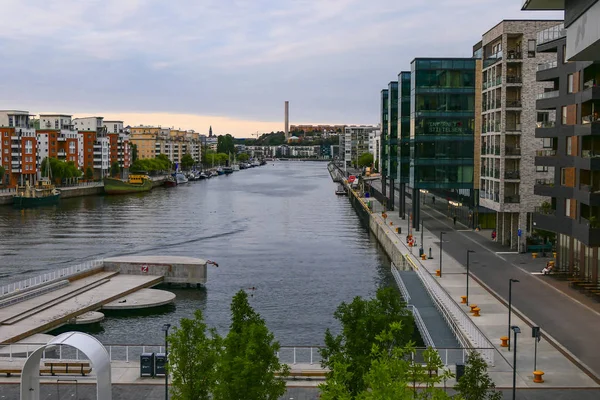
[(287, 120)]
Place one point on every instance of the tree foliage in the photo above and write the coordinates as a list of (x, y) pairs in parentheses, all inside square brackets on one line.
[(160, 163), (392, 374), (193, 358), (60, 170), (243, 157), (134, 152), (115, 169), (365, 160), (211, 158), (248, 363), (476, 384), (2, 172), (225, 144), (187, 161), (89, 173), (361, 322)]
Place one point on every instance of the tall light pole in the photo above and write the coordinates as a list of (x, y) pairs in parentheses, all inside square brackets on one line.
[(165, 328), (422, 244), (441, 236), (515, 330), (510, 282), (468, 252)]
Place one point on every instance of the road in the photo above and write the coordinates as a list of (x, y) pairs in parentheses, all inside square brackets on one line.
[(573, 324)]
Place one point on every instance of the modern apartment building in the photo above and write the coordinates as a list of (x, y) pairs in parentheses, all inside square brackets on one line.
[(392, 141), (119, 150), (145, 139), (442, 119), (508, 117), (355, 143), (57, 138), (375, 147), (174, 143), (385, 140), (403, 174), (581, 24), (94, 144), (570, 133), (18, 143)]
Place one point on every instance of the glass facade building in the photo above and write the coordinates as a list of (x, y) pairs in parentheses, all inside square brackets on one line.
[(442, 122), (392, 131), (384, 139), (403, 173)]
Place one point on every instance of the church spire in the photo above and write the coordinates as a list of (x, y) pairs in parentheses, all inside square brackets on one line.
[(210, 131)]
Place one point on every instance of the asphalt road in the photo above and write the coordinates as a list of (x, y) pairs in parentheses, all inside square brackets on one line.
[(572, 324)]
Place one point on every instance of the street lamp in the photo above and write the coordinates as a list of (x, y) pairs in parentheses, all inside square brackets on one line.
[(510, 282), (468, 252), (165, 329), (515, 330), (441, 234), (422, 244)]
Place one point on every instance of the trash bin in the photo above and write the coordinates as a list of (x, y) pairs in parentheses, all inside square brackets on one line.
[(367, 195), (421, 251), (147, 364), (160, 363), (460, 371)]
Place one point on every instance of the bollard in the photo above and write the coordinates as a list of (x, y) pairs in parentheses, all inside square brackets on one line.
[(437, 272), (504, 340), (423, 256), (463, 299), (473, 306), (476, 312), (534, 255), (537, 376)]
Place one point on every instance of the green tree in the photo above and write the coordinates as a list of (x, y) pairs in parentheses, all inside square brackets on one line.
[(89, 173), (134, 152), (193, 356), (361, 321), (164, 163), (60, 170), (115, 169), (243, 157), (2, 172), (476, 384), (225, 144), (187, 161), (365, 160), (248, 363)]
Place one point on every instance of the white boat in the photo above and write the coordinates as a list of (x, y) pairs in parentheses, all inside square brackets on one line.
[(181, 178)]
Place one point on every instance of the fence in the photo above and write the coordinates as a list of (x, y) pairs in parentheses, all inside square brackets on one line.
[(38, 281), (467, 333)]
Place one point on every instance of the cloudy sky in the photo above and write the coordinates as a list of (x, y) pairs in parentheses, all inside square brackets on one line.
[(227, 63)]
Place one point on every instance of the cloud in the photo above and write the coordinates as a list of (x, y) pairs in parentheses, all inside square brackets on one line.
[(237, 59)]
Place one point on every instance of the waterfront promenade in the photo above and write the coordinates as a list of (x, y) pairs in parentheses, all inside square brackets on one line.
[(560, 370)]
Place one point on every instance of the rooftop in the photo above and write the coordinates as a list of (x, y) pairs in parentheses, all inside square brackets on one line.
[(10, 112), (532, 5), (56, 115)]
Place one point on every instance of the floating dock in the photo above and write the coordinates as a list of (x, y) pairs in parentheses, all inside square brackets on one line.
[(120, 283)]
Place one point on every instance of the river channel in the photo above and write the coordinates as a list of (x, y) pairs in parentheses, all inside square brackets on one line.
[(279, 228)]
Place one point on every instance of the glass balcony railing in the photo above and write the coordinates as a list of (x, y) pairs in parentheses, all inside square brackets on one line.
[(545, 124), (512, 199), (548, 95), (550, 34), (544, 182), (590, 153), (513, 103), (589, 84), (545, 66), (513, 151), (588, 119), (512, 175), (514, 79), (545, 153), (493, 59), (544, 210)]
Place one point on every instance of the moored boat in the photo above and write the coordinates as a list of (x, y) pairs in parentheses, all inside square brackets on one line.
[(180, 177), (341, 191), (135, 183), (170, 182), (228, 170), (42, 194)]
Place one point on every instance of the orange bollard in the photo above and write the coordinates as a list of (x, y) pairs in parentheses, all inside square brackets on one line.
[(537, 376), (504, 340), (463, 299), (476, 312)]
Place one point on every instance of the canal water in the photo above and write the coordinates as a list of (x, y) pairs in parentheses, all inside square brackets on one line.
[(279, 228)]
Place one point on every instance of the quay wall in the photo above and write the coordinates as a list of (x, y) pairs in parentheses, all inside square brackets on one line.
[(175, 270)]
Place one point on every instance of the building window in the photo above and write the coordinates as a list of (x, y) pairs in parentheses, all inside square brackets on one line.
[(564, 54), (541, 168), (570, 80), (564, 115), (531, 48), (10, 121), (569, 147), (563, 176), (55, 124), (28, 147), (547, 143), (568, 208)]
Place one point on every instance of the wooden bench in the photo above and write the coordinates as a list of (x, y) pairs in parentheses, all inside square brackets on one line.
[(10, 371), (66, 367)]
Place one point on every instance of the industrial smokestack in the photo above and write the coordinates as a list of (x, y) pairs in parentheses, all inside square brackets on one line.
[(287, 120)]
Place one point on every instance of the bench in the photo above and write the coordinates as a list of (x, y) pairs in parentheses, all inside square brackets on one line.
[(66, 367), (10, 371), (539, 248)]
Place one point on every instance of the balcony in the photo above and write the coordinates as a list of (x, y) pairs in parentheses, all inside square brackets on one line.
[(543, 187), (545, 153), (547, 65), (513, 151), (550, 34), (513, 128), (513, 79), (514, 54), (548, 95), (493, 59), (589, 84), (512, 199), (545, 124), (513, 104), (512, 175)]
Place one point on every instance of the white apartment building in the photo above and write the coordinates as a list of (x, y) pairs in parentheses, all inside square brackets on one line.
[(509, 117), (94, 144), (355, 142), (375, 146)]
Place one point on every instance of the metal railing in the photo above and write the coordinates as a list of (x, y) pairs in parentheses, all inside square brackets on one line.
[(467, 333), (544, 182), (545, 124), (589, 84), (550, 34), (514, 79), (513, 103), (545, 153), (40, 280), (512, 175), (544, 210), (400, 283), (421, 326), (512, 199)]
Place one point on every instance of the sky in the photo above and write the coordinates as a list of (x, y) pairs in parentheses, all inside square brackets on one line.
[(228, 63)]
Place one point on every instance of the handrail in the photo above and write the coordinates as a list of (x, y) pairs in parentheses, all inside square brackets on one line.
[(40, 280), (421, 326), (400, 282), (455, 315)]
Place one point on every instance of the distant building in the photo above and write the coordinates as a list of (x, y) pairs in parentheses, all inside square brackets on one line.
[(375, 147), (57, 138), (95, 145), (355, 142), (120, 147), (18, 145)]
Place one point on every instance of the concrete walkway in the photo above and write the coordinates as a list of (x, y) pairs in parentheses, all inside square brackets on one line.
[(559, 370)]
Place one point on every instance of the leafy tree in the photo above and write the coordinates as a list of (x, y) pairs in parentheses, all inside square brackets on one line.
[(362, 321), (248, 362), (115, 169), (187, 161), (2, 172), (134, 153), (476, 384), (164, 161), (193, 357), (225, 144), (365, 160), (392, 373), (89, 173), (243, 157), (60, 170)]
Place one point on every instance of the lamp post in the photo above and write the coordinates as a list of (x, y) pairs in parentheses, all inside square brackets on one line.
[(165, 328), (515, 330), (441, 235), (510, 282), (468, 252), (422, 244)]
